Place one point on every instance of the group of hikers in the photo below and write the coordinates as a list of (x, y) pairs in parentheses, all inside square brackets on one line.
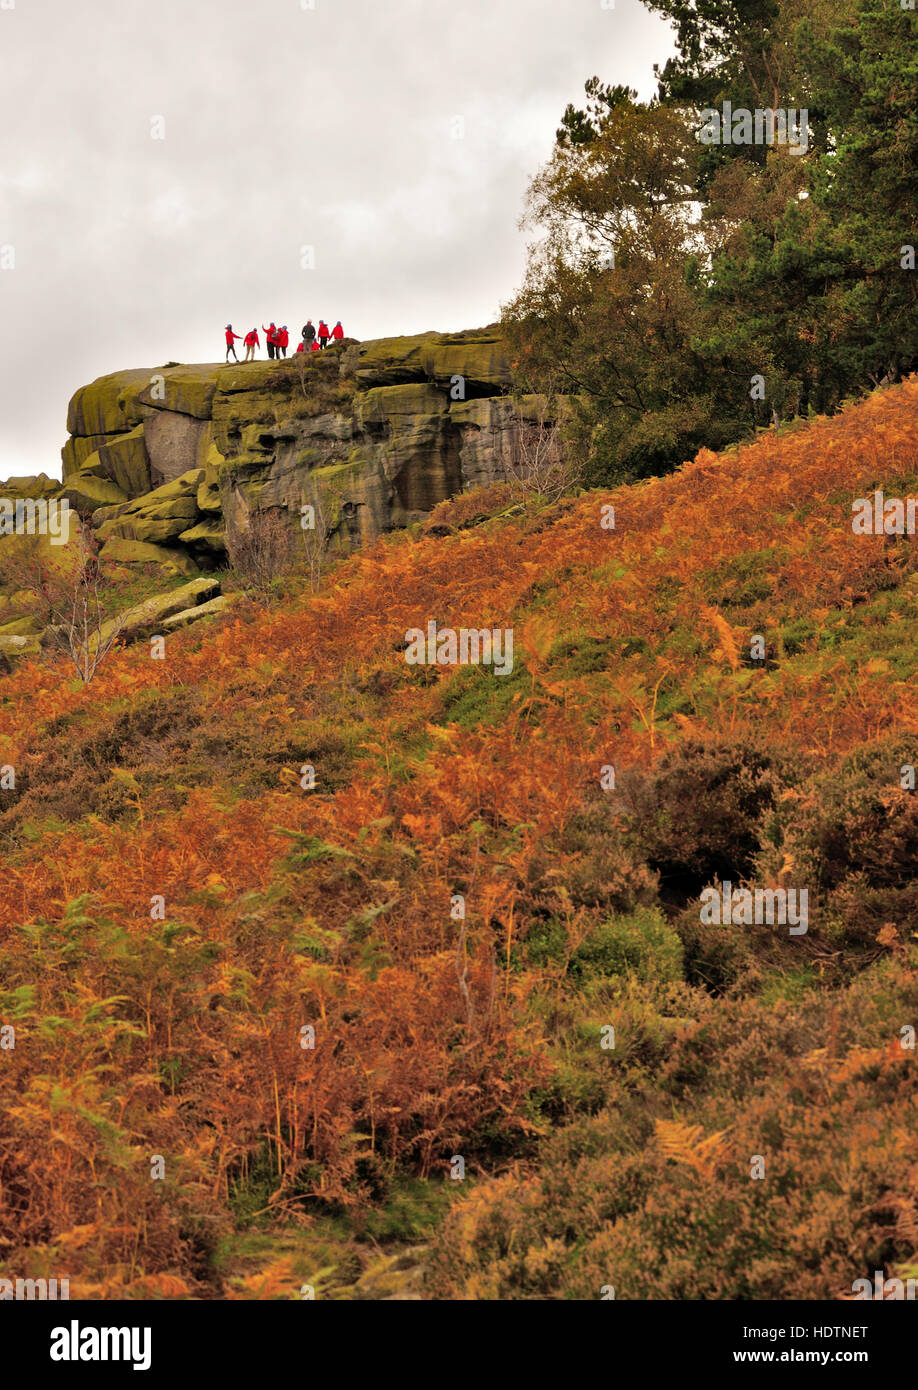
[(276, 339)]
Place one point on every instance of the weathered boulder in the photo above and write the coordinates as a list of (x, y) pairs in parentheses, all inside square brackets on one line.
[(147, 617), (410, 406), (209, 534), (234, 413), (123, 459), (78, 449), (20, 627), (128, 552), (475, 361), (211, 608), (175, 444), (159, 516), (208, 494), (34, 486), (185, 390), (249, 376), (18, 646), (107, 406), (87, 490)]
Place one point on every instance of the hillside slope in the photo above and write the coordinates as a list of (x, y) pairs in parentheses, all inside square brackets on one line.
[(180, 906)]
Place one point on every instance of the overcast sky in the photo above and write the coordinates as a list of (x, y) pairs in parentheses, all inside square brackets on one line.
[(395, 138)]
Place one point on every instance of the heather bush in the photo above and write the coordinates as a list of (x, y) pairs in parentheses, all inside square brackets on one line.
[(263, 551), (851, 834), (655, 1195), (698, 814)]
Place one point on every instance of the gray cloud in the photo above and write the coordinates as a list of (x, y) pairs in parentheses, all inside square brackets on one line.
[(285, 127)]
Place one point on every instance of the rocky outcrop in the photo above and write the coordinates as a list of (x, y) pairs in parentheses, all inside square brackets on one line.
[(372, 435), (164, 462)]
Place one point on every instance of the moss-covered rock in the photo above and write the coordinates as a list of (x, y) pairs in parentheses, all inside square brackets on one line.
[(233, 414), (130, 552), (490, 411), (17, 647), (401, 423), (212, 608), (78, 449), (188, 390), (124, 461), (155, 530), (20, 627), (147, 617), (158, 516), (107, 405), (212, 460), (208, 493), (479, 358), (477, 413), (107, 512), (87, 491), (93, 467), (208, 455), (184, 486), (34, 486), (405, 404), (208, 534), (257, 376), (256, 439)]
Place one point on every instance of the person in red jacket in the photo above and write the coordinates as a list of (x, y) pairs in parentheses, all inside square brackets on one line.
[(230, 346), (338, 332), (315, 346), (323, 333), (270, 339), (281, 339), (251, 343)]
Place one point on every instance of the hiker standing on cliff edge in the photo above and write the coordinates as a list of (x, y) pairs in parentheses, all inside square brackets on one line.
[(269, 333), (281, 339), (252, 341), (309, 333), (230, 346), (324, 334)]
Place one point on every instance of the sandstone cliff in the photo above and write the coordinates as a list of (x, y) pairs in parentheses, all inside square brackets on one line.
[(375, 432)]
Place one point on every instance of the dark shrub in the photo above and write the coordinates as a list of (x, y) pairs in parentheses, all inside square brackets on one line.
[(591, 867), (698, 814), (851, 837)]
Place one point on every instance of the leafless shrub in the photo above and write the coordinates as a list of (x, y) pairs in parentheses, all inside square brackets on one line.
[(544, 466), (65, 594), (262, 551), (315, 527)]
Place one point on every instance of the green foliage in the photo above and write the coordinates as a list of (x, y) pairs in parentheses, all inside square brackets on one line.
[(475, 695), (642, 944), (731, 261)]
